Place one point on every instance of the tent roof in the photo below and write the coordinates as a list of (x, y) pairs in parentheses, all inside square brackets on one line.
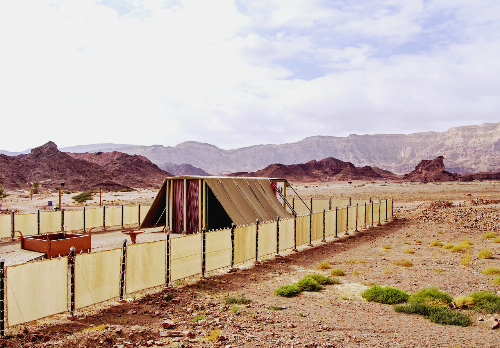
[(244, 199)]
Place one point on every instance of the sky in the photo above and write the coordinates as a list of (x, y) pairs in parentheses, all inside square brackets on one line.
[(237, 73)]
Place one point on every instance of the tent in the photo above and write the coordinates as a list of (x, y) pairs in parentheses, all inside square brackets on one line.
[(186, 204)]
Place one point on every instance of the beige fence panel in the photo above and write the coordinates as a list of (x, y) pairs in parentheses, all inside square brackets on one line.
[(5, 226), (389, 208), (383, 209), (360, 202), (320, 204), (244, 243), (267, 239), (97, 277), (131, 215), (36, 290), (185, 256), (369, 213), (352, 218), (317, 226), (286, 234), (341, 221), (73, 220), (330, 221), (113, 216), (93, 218), (303, 230), (361, 216), (376, 210), (27, 224), (50, 221), (300, 208), (144, 211), (341, 203), (146, 265), (218, 249)]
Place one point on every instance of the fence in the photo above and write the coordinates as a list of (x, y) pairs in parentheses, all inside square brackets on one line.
[(38, 289), (72, 220)]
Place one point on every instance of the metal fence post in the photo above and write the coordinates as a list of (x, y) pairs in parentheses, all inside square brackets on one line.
[(357, 207), (139, 215), (392, 208), (122, 272), (257, 242), (71, 261), (330, 203), (373, 224), (123, 209), (336, 221), (12, 224), (38, 226), (379, 205), (203, 254), (232, 269), (347, 219), (324, 227), (2, 296), (364, 224), (104, 217), (167, 282), (277, 235), (310, 226), (62, 220), (294, 233), (386, 207)]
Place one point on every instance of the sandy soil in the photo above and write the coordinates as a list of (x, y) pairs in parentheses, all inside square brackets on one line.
[(334, 317)]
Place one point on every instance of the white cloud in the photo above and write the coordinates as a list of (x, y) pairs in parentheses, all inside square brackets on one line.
[(237, 73)]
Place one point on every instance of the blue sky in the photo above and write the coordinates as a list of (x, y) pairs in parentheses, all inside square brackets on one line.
[(239, 73)]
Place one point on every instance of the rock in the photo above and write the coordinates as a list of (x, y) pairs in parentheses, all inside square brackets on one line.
[(131, 312), (491, 323), (168, 324), (188, 333), (150, 343), (159, 343), (164, 333)]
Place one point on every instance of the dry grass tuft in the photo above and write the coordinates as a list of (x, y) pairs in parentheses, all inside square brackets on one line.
[(448, 246), (485, 254), (386, 247), (489, 235), (213, 336), (458, 248), (403, 263), (357, 272), (463, 302), (409, 251), (323, 265), (465, 260), (496, 281), (491, 271), (418, 241), (436, 243), (496, 240), (339, 272)]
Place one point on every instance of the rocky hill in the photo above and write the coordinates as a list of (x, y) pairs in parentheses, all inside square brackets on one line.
[(430, 170), (48, 165), (185, 169), (328, 169), (467, 149)]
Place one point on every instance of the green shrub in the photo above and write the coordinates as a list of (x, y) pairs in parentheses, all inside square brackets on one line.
[(287, 291), (319, 278), (413, 308), (463, 302), (431, 296), (385, 294), (309, 284), (491, 271), (337, 272), (439, 315), (237, 299), (486, 301), (82, 197)]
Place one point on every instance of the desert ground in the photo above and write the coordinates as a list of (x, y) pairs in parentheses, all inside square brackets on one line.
[(200, 312)]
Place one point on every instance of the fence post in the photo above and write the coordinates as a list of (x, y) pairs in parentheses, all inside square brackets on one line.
[(104, 217), (203, 252), (336, 221), (294, 233), (357, 207), (62, 220), (167, 282), (293, 203), (277, 236), (347, 219), (2, 296), (392, 208), (311, 204), (324, 227), (379, 205), (364, 224), (139, 215), (122, 272), (71, 261), (122, 214), (12, 224), (330, 204), (38, 221), (256, 262), (310, 226), (232, 269), (386, 207), (373, 223)]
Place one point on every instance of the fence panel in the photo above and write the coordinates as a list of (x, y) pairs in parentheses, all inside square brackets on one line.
[(320, 204), (340, 203), (144, 211), (93, 218), (330, 221), (27, 224), (218, 249), (389, 209), (383, 209), (342, 219), (244, 243), (36, 290), (361, 216), (301, 208), (352, 218), (50, 221), (360, 202), (97, 277), (286, 234), (5, 225), (267, 239), (185, 256), (113, 216), (73, 220), (302, 230), (130, 215), (376, 210), (369, 214), (317, 226), (146, 265)]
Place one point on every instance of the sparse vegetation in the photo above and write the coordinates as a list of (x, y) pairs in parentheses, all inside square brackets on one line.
[(198, 318), (3, 193), (385, 294), (309, 284), (448, 246), (213, 336), (465, 259), (485, 254), (436, 243), (463, 302), (491, 271), (496, 240), (287, 291), (403, 263), (431, 296), (357, 272), (339, 272), (409, 251), (489, 235), (439, 315), (83, 197), (496, 281), (486, 301), (323, 265), (237, 299)]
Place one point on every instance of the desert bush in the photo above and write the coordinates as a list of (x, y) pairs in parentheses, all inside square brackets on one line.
[(431, 296), (213, 336), (402, 262), (337, 272), (439, 315), (486, 302), (496, 281), (287, 291), (491, 271), (496, 240), (83, 197), (436, 243), (323, 265), (357, 272), (319, 278), (384, 294), (334, 281), (463, 302), (448, 246), (309, 284), (485, 254), (458, 248), (386, 247), (489, 235), (3, 193), (465, 260), (236, 299), (409, 251), (466, 243)]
